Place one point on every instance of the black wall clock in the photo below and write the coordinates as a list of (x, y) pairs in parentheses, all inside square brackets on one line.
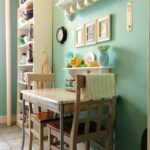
[(61, 35)]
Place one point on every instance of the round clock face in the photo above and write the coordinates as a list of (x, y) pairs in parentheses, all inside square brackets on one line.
[(61, 35)]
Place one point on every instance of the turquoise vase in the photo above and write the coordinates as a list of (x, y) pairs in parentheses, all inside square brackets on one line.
[(104, 58)]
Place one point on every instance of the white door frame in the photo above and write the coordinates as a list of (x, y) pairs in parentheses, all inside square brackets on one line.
[(8, 60), (148, 99)]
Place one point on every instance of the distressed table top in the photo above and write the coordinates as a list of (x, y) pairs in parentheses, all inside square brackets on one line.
[(56, 95)]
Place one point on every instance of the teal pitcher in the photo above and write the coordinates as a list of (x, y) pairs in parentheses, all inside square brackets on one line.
[(104, 57)]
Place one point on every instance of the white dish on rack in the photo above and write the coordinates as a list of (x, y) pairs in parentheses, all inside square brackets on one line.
[(89, 57)]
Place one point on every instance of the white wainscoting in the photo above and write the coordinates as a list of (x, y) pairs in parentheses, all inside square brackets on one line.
[(3, 119)]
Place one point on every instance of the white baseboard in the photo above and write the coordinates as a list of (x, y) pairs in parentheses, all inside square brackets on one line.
[(3, 119)]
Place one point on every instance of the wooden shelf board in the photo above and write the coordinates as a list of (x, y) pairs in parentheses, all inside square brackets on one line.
[(25, 45), (26, 65), (26, 25), (24, 83)]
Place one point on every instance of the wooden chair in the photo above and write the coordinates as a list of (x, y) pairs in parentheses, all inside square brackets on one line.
[(87, 127), (39, 119)]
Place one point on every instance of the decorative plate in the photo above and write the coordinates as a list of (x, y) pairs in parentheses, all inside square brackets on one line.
[(89, 57)]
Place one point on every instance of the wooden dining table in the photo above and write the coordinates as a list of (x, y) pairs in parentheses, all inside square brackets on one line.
[(57, 99)]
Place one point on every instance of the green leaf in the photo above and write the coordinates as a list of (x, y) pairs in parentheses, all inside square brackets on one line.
[(103, 48)]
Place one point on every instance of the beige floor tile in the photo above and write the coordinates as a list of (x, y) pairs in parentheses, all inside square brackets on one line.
[(1, 138), (4, 145), (11, 139), (10, 136)]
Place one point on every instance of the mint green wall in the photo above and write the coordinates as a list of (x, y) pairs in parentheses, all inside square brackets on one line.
[(2, 60), (128, 54), (3, 57), (14, 7)]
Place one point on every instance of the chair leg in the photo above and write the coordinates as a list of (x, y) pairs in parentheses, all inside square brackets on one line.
[(49, 139), (109, 142), (73, 146), (41, 137), (87, 145), (30, 136)]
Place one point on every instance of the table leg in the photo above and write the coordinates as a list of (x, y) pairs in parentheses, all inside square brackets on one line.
[(23, 124), (61, 126)]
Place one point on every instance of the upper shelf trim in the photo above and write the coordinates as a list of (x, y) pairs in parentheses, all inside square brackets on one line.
[(70, 7)]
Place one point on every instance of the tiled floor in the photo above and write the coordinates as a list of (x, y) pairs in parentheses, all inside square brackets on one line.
[(11, 138)]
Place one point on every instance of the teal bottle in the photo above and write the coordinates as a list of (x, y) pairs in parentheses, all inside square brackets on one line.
[(69, 56)]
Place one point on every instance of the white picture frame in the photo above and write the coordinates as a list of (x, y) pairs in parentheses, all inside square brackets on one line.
[(90, 33), (103, 29), (79, 39)]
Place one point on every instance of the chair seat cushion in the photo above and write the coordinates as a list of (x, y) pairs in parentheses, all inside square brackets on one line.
[(68, 126), (44, 116)]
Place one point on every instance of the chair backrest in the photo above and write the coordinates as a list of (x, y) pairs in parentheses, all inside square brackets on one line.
[(40, 81), (93, 119)]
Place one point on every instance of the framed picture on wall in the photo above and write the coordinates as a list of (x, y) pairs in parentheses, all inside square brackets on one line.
[(90, 33), (79, 36), (103, 29)]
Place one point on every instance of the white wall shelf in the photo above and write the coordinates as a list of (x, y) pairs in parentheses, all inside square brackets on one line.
[(83, 70), (88, 68), (70, 7)]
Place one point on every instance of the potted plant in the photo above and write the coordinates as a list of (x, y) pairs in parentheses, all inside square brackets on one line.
[(103, 58)]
